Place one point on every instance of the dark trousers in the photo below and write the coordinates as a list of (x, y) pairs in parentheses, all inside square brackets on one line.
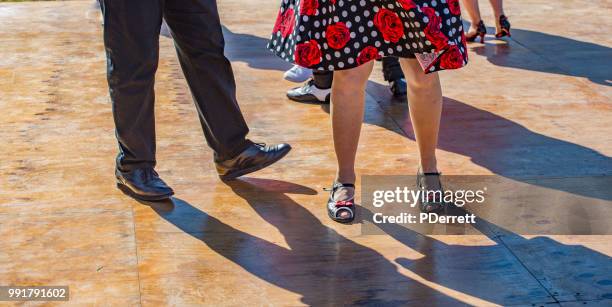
[(391, 69), (131, 38), (390, 66)]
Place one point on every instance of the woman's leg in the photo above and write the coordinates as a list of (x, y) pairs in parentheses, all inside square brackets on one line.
[(425, 101), (473, 12), (498, 10), (347, 103)]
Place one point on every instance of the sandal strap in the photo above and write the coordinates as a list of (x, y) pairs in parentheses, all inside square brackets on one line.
[(335, 208), (431, 174), (343, 185), (345, 203)]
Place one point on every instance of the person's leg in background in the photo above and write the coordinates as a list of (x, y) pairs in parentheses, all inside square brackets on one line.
[(502, 25), (317, 90), (131, 39), (197, 34), (473, 12), (392, 71), (477, 27)]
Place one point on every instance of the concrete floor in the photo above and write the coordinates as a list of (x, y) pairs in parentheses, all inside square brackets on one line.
[(537, 106)]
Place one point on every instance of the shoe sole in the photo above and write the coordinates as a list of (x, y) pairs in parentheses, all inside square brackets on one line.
[(242, 172), (311, 100), (127, 191)]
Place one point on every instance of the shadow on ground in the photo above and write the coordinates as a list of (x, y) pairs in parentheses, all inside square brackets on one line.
[(551, 54), (325, 267), (252, 50)]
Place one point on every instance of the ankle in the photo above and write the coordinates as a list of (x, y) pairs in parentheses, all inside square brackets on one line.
[(428, 166), (343, 177)]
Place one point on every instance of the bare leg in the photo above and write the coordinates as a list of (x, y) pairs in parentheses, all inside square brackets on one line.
[(347, 101), (498, 10), (425, 100), (473, 12)]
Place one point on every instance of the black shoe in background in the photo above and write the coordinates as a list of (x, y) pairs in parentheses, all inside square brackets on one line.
[(143, 184), (254, 158), (398, 88)]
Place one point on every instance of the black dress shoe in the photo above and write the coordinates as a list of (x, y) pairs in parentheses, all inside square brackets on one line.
[(143, 184), (255, 157), (398, 88), (309, 93)]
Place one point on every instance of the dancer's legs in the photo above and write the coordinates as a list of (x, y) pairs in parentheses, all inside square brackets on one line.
[(131, 39), (473, 12), (347, 99), (425, 101), (199, 42), (498, 10)]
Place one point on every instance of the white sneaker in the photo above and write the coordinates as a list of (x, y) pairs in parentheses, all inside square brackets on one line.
[(298, 74)]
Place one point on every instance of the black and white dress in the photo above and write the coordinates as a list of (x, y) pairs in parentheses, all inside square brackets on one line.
[(342, 34)]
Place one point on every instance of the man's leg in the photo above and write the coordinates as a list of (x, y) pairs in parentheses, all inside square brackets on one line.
[(199, 42), (196, 30), (392, 71), (131, 30)]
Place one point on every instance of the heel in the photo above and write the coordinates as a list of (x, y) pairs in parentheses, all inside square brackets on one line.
[(481, 31), (505, 27)]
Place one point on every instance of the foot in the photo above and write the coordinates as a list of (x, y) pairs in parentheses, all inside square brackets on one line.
[(254, 158), (429, 183), (309, 93), (502, 27), (298, 74), (476, 30), (398, 88), (341, 203), (143, 184)]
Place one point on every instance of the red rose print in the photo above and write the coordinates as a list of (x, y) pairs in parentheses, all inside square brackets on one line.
[(309, 7), (432, 30), (367, 54), (337, 35), (452, 58), (436, 37), (285, 22), (389, 24), (453, 6), (407, 4), (434, 20), (332, 1), (308, 54)]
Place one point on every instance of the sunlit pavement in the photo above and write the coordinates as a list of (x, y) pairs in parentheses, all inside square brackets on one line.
[(537, 105)]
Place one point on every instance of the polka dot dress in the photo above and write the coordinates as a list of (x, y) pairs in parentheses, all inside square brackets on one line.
[(342, 34)]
